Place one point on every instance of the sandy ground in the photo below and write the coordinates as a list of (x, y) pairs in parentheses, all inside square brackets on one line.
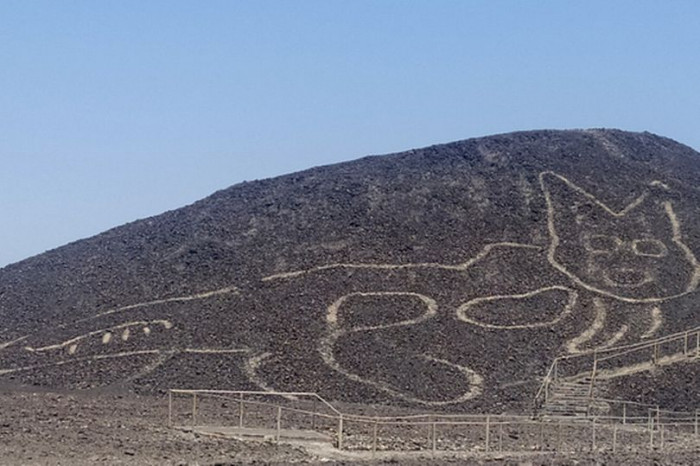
[(79, 428), (44, 428)]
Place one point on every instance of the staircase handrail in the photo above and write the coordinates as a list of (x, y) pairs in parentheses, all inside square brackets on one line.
[(543, 393), (640, 345), (603, 354)]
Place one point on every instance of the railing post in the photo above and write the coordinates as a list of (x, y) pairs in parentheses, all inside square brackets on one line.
[(488, 432), (685, 344), (500, 436), (559, 438), (651, 429), (614, 445), (279, 423), (589, 406), (695, 429), (434, 427), (593, 374), (374, 438), (194, 409), (697, 345), (593, 433), (170, 408), (313, 418), (624, 413), (430, 430), (340, 432), (240, 410), (658, 416), (656, 353)]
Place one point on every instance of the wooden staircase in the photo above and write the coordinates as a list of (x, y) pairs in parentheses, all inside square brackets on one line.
[(575, 399), (567, 389)]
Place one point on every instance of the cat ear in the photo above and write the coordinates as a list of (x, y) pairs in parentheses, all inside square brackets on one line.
[(566, 202), (662, 192), (569, 201)]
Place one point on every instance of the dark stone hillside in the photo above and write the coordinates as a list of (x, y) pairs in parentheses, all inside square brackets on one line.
[(447, 277)]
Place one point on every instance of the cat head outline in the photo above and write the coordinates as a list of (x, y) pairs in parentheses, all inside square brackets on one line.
[(635, 254)]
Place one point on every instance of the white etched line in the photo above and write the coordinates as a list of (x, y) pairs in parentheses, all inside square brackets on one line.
[(474, 380), (656, 322), (193, 297), (215, 350), (591, 197), (105, 331), (83, 359), (555, 240), (327, 344), (678, 239), (12, 342), (598, 323), (462, 311), (619, 335), (427, 265), (431, 309), (251, 367)]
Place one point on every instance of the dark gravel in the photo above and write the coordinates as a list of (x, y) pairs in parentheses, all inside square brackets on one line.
[(441, 204)]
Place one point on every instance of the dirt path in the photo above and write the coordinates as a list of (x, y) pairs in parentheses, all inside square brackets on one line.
[(84, 429), (79, 428)]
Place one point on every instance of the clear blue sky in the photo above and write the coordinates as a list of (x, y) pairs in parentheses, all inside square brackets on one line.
[(116, 110)]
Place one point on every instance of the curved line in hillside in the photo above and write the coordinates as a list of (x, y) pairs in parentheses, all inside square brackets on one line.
[(462, 310)]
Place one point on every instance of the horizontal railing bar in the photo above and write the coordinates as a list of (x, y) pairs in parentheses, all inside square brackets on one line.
[(662, 417), (238, 392), (249, 392), (643, 345), (274, 405)]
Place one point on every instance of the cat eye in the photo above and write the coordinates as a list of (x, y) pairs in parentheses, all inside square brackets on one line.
[(602, 243), (649, 248)]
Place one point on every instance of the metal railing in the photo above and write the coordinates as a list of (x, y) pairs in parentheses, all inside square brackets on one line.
[(242, 409), (273, 413), (619, 360)]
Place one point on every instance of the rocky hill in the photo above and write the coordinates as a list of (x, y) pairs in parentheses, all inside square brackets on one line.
[(447, 277)]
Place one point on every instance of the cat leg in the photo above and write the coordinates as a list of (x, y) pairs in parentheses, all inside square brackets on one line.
[(590, 340), (388, 356), (655, 322), (252, 369)]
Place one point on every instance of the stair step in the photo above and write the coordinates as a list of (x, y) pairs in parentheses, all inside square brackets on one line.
[(567, 408), (574, 399)]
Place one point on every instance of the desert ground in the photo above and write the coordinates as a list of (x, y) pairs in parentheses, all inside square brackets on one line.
[(40, 427)]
